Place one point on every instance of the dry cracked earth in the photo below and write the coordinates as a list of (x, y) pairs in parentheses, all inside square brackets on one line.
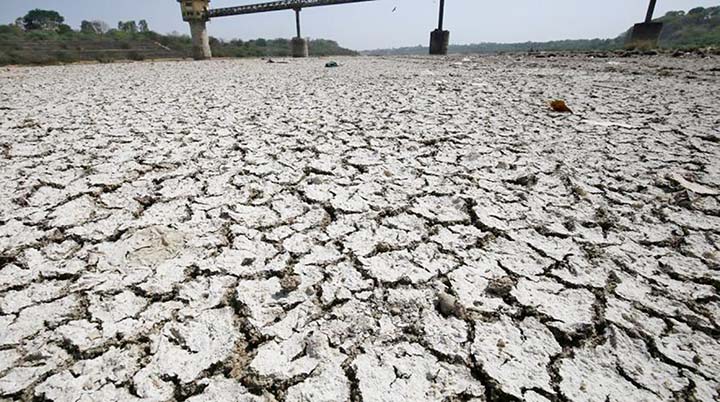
[(395, 229)]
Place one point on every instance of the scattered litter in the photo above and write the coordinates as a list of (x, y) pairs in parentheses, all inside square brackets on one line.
[(559, 105), (331, 64)]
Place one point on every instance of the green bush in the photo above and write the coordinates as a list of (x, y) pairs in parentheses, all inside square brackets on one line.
[(64, 57), (103, 58), (41, 35), (7, 58), (40, 59), (10, 30), (64, 29), (136, 56)]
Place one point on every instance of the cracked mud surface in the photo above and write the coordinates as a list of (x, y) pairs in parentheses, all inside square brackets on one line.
[(394, 229)]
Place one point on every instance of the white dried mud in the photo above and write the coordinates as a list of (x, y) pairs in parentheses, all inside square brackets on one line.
[(395, 229)]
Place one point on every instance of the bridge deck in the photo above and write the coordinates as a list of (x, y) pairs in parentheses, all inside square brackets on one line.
[(275, 6)]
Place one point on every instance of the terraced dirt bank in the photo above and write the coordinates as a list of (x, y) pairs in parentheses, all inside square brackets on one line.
[(18, 50), (395, 229)]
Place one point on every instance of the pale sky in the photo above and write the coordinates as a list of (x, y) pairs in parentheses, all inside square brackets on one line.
[(373, 25)]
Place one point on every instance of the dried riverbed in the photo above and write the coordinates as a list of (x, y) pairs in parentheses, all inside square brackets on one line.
[(395, 229)]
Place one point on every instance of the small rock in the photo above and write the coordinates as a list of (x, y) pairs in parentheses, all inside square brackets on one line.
[(449, 305), (500, 287), (288, 283)]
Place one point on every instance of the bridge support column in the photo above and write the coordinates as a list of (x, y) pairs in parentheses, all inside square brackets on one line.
[(195, 12), (298, 45), (645, 34), (439, 42), (439, 38), (200, 40)]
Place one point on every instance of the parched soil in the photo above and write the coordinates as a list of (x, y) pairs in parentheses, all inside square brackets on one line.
[(394, 229)]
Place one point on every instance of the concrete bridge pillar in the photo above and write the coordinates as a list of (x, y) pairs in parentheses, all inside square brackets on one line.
[(439, 42), (645, 34), (195, 13), (200, 40), (298, 45), (439, 38)]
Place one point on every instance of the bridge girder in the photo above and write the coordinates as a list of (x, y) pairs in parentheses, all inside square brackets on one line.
[(276, 6)]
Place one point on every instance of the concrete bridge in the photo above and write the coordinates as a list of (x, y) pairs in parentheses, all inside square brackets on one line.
[(198, 12)]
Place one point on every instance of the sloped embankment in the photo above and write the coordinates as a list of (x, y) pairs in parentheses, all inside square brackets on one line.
[(29, 51)]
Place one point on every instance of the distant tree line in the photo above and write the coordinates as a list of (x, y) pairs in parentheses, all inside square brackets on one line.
[(699, 27), (52, 21), (133, 27), (94, 27), (130, 40), (45, 20)]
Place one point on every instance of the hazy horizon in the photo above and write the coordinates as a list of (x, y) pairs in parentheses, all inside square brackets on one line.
[(374, 25)]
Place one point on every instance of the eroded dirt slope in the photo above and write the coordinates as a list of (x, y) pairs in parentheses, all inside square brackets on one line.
[(394, 229)]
